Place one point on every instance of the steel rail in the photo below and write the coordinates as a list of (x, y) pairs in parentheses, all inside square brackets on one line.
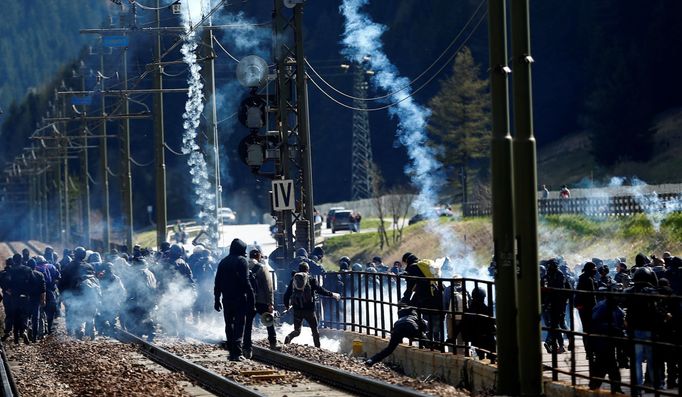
[(9, 388), (204, 377), (333, 376)]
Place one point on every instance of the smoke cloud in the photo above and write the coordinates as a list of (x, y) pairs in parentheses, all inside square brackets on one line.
[(192, 11), (362, 37)]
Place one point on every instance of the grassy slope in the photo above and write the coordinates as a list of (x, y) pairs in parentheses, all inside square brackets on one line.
[(577, 238)]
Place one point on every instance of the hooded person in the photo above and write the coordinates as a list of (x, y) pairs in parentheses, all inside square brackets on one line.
[(233, 286), (641, 260)]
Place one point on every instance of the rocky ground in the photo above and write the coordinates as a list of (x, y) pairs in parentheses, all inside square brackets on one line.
[(61, 366)]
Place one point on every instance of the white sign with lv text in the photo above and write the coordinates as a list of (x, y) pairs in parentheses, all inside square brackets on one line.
[(283, 197)]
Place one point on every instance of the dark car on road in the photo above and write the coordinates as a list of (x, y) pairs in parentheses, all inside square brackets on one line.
[(343, 220), (330, 215)]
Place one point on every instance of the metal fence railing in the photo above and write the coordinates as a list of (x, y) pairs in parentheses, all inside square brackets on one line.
[(593, 206), (608, 339), (370, 301)]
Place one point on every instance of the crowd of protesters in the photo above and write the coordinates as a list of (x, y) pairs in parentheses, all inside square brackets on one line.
[(621, 311)]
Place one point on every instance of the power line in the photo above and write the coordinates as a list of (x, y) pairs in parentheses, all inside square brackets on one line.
[(406, 86), (132, 160), (407, 95)]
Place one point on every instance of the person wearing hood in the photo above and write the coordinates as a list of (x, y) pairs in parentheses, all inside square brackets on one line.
[(409, 325), (674, 274), (238, 300), (641, 260)]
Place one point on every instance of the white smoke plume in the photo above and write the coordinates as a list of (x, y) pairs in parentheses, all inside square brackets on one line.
[(654, 207), (192, 12), (362, 37)]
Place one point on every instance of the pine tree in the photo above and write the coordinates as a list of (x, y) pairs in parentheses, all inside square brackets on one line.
[(460, 123)]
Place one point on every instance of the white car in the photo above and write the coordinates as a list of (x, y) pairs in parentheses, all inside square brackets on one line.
[(226, 215)]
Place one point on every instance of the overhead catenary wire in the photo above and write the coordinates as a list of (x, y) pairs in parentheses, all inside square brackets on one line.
[(408, 85), (137, 163), (415, 91), (145, 7), (173, 151)]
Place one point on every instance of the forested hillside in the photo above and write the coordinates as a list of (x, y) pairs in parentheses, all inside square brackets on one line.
[(37, 38), (607, 69)]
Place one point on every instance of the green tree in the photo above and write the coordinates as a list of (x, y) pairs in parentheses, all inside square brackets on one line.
[(460, 123)]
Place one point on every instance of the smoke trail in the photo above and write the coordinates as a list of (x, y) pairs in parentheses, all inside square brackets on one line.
[(361, 37), (194, 107), (654, 207)]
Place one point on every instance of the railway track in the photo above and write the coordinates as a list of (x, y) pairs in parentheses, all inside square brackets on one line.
[(8, 388), (282, 374), (206, 378)]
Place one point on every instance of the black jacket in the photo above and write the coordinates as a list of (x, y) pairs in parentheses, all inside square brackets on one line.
[(232, 278), (314, 288), (585, 301), (409, 325)]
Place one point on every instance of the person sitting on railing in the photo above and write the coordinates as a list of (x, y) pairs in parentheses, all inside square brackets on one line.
[(409, 325), (478, 325)]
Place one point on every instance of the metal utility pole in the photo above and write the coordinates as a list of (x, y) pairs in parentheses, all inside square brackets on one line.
[(159, 140), (526, 211), (66, 232), (503, 204), (126, 172), (212, 157), (308, 223), (104, 162), (284, 235), (361, 173)]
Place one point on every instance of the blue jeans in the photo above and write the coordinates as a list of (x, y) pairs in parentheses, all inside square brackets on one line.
[(643, 352)]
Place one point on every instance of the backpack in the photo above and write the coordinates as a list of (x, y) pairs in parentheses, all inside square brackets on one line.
[(301, 291)]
